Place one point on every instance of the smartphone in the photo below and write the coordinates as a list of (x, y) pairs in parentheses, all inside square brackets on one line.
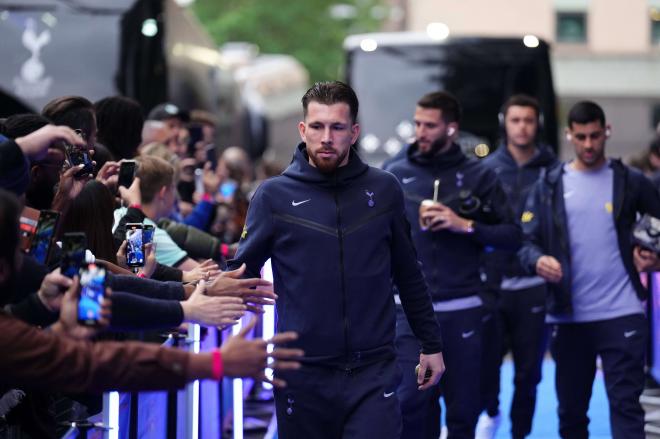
[(135, 245), (92, 292), (43, 235), (147, 234), (228, 188), (195, 134), (73, 253), (126, 173), (211, 155), (28, 227), (79, 156)]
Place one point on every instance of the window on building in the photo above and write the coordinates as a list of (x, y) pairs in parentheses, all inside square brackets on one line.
[(571, 27), (655, 116), (655, 26)]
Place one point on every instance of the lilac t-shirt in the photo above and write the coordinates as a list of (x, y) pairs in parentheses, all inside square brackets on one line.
[(601, 287)]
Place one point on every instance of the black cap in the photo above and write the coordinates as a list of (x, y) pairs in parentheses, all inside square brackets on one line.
[(167, 111)]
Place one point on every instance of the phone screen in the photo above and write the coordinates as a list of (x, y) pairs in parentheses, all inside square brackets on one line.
[(43, 236), (73, 253), (135, 245), (228, 188), (147, 234), (126, 173), (92, 282), (79, 156)]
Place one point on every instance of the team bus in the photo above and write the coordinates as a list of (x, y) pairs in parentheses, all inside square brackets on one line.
[(390, 71)]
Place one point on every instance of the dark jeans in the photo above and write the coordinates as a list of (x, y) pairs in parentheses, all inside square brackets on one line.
[(621, 345), (461, 335), (332, 403)]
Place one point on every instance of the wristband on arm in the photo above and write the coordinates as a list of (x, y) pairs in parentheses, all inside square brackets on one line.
[(217, 365)]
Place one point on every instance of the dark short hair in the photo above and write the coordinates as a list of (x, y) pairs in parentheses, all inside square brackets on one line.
[(120, 122), (19, 125), (75, 112), (585, 112), (443, 101), (329, 93), (521, 100)]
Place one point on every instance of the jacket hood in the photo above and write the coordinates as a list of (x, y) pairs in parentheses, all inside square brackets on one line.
[(450, 159), (544, 156), (300, 169)]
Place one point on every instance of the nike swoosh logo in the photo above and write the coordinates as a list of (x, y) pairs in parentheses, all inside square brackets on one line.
[(537, 309), (629, 334), (467, 334), (406, 180), (298, 203), (387, 395)]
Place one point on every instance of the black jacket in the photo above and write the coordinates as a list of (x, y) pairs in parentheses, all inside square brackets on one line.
[(452, 262), (545, 229), (517, 182), (337, 242)]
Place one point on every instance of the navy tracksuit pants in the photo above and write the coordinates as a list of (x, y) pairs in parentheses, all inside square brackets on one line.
[(333, 403), (518, 324), (461, 336), (621, 345)]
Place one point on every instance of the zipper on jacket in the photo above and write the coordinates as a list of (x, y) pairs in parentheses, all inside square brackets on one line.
[(340, 235)]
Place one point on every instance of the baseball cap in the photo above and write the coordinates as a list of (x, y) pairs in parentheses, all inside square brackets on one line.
[(167, 111)]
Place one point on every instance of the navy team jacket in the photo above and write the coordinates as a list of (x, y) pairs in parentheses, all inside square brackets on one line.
[(337, 242), (453, 262)]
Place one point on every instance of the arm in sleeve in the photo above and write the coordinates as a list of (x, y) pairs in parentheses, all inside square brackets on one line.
[(649, 198), (38, 359), (32, 311), (165, 273), (133, 312), (147, 287), (532, 227), (500, 230), (14, 166), (200, 217), (255, 245), (410, 282)]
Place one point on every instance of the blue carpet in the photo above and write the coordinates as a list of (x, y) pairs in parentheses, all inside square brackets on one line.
[(545, 424)]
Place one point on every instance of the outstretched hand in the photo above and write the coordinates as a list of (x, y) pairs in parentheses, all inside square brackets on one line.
[(212, 311), (249, 358), (255, 292)]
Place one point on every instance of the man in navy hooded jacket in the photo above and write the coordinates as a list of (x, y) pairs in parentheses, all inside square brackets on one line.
[(337, 235), (518, 318), (470, 213), (578, 223)]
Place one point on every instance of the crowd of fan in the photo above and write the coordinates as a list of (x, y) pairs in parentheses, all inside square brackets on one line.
[(196, 200)]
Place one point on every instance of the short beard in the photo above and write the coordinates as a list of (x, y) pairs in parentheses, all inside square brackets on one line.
[(436, 146), (328, 167)]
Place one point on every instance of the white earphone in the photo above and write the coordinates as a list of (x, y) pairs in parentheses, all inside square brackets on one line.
[(451, 131)]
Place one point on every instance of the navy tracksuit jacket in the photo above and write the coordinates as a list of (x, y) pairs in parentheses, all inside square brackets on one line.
[(337, 243)]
